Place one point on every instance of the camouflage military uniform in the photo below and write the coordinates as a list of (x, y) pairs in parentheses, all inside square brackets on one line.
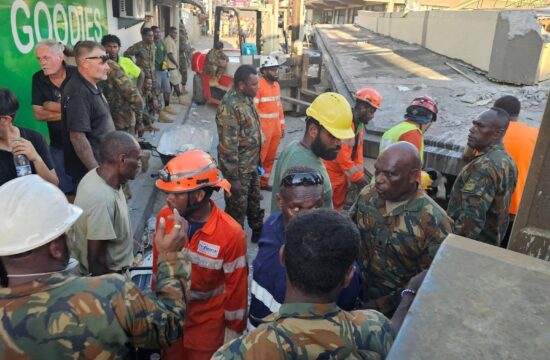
[(398, 240), (314, 331), (212, 61), (184, 53), (145, 58), (123, 97), (66, 317), (239, 156), (149, 114), (481, 196)]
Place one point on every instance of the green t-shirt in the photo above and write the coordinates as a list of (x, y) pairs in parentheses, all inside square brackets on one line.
[(105, 218), (297, 155), (160, 55)]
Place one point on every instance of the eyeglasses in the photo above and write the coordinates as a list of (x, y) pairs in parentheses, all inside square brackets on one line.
[(302, 179), (103, 58)]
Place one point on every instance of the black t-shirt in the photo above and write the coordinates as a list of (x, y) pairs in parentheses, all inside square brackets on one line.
[(44, 90), (7, 167), (83, 109)]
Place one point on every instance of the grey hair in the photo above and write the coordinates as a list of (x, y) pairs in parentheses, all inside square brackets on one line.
[(55, 46)]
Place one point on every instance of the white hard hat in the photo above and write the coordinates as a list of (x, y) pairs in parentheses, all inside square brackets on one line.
[(268, 61), (33, 212)]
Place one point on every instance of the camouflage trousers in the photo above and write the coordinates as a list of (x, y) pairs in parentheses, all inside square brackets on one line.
[(245, 202), (183, 69)]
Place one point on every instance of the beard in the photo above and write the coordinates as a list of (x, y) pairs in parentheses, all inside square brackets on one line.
[(320, 150), (271, 78)]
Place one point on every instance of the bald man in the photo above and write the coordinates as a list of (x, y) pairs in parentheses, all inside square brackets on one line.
[(482, 192), (103, 237), (401, 227)]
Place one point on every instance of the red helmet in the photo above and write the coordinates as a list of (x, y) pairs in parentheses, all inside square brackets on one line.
[(189, 171), (426, 102), (370, 96)]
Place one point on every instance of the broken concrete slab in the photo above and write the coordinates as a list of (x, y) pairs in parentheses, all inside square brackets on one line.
[(478, 302)]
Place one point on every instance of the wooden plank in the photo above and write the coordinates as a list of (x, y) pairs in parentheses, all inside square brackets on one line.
[(531, 231)]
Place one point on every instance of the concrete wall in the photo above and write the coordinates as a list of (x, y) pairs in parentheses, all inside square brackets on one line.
[(506, 43), (409, 28), (464, 35)]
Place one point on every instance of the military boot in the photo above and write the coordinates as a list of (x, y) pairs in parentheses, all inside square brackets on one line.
[(163, 118), (184, 101), (170, 110)]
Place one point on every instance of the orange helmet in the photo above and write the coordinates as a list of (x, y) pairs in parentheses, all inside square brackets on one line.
[(190, 171), (370, 96)]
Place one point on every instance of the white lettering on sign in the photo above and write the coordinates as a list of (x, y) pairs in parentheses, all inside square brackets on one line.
[(68, 25)]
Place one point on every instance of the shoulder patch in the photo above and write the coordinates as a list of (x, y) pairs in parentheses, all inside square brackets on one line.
[(208, 249), (469, 186)]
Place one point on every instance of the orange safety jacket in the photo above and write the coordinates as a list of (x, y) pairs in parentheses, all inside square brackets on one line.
[(268, 103), (344, 167), (519, 142), (219, 280)]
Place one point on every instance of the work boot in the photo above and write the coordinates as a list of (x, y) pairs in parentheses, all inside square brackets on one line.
[(170, 111), (151, 128), (256, 236), (145, 156), (163, 118), (184, 101)]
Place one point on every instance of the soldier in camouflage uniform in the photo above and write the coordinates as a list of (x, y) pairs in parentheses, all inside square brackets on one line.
[(124, 100), (47, 313), (239, 146), (216, 62), (144, 53), (481, 194), (318, 255), (152, 104), (184, 51), (401, 227)]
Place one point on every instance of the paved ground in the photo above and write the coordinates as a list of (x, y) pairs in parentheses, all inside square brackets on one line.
[(202, 117)]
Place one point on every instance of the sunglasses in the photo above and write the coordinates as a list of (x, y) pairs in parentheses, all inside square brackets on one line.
[(103, 58), (302, 179)]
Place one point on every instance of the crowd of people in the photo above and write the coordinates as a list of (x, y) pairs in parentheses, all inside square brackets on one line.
[(340, 258)]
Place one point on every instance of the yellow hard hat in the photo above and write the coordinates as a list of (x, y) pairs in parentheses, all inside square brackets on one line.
[(333, 112), (33, 212), (425, 180)]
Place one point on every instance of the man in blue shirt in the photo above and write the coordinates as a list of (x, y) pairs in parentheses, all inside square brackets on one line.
[(301, 189)]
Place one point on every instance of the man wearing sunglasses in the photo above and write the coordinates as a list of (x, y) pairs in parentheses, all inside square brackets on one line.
[(328, 121), (301, 190), (85, 113), (400, 225), (347, 171)]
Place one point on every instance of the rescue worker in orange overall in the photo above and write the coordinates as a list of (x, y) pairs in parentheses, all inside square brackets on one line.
[(272, 117), (217, 245), (348, 168)]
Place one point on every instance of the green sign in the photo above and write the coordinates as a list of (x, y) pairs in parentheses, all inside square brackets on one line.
[(23, 23)]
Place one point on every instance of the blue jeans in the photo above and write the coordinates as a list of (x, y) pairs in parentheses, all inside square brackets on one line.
[(65, 181)]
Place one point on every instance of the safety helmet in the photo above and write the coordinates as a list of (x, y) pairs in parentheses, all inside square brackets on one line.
[(370, 96), (268, 61), (425, 102), (333, 112), (190, 171), (34, 213)]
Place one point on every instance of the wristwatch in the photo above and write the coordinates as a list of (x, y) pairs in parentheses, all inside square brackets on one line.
[(407, 291)]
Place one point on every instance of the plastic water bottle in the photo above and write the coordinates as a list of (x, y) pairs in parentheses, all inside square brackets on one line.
[(22, 165), (193, 105)]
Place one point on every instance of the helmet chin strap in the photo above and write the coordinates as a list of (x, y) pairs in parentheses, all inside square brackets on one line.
[(191, 208)]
